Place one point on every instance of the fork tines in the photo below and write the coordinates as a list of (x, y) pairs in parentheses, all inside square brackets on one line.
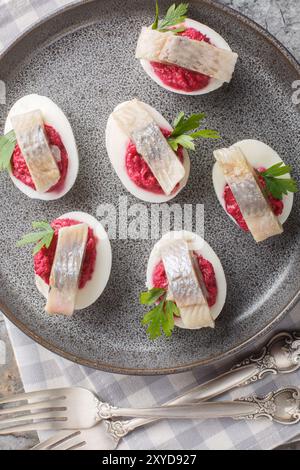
[(39, 410)]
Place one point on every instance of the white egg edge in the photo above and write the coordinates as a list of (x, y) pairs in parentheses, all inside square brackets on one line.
[(214, 84), (116, 145), (258, 154), (93, 288), (198, 244), (55, 117)]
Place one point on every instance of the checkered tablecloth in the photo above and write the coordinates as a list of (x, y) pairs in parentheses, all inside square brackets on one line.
[(40, 368)]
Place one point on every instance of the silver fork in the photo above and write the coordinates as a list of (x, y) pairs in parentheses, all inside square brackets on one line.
[(78, 408), (281, 355), (95, 438), (282, 406), (92, 439)]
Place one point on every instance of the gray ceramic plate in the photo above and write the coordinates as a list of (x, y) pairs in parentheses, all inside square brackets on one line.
[(84, 60)]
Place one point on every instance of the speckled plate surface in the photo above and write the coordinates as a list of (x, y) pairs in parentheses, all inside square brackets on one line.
[(84, 60)]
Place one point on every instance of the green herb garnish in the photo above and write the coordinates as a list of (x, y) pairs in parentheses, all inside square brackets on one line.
[(174, 16), (276, 186), (43, 237), (161, 317), (7, 145), (181, 134)]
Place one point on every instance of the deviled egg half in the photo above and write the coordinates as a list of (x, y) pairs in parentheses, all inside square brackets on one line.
[(183, 55), (72, 261), (186, 284), (254, 187), (149, 155), (38, 148)]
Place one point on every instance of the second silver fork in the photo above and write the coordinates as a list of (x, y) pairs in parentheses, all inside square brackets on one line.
[(66, 409), (280, 355)]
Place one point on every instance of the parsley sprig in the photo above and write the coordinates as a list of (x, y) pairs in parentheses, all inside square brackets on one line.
[(276, 186), (174, 16), (43, 236), (7, 145), (161, 317), (181, 134)]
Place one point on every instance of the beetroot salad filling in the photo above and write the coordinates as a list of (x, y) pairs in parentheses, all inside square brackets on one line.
[(43, 260), (139, 171), (21, 171), (180, 78), (159, 278), (233, 209)]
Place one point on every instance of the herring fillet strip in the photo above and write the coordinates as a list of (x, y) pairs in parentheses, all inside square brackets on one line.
[(184, 287), (198, 56), (196, 316), (66, 268), (255, 208), (151, 144), (164, 163), (150, 44), (132, 116), (32, 140), (181, 275)]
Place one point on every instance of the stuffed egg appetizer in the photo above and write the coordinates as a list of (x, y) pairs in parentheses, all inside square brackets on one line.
[(186, 284), (149, 155), (254, 187), (72, 261), (183, 55), (38, 148)]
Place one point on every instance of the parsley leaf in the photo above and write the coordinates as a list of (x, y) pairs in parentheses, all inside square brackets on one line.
[(7, 145), (205, 134), (154, 321), (182, 125), (40, 224), (278, 169), (174, 16), (151, 296), (41, 238), (184, 140), (275, 186), (178, 119), (160, 319)]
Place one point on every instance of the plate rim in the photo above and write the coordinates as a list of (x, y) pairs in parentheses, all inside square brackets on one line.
[(103, 366)]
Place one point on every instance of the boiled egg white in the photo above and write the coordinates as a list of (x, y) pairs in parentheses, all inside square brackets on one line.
[(53, 116), (116, 144), (258, 155), (93, 288), (200, 246), (216, 40)]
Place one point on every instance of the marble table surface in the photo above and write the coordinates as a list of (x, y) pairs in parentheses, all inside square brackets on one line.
[(282, 19)]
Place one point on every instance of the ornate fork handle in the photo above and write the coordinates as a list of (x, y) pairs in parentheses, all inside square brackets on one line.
[(200, 410), (282, 406), (280, 355), (118, 429)]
